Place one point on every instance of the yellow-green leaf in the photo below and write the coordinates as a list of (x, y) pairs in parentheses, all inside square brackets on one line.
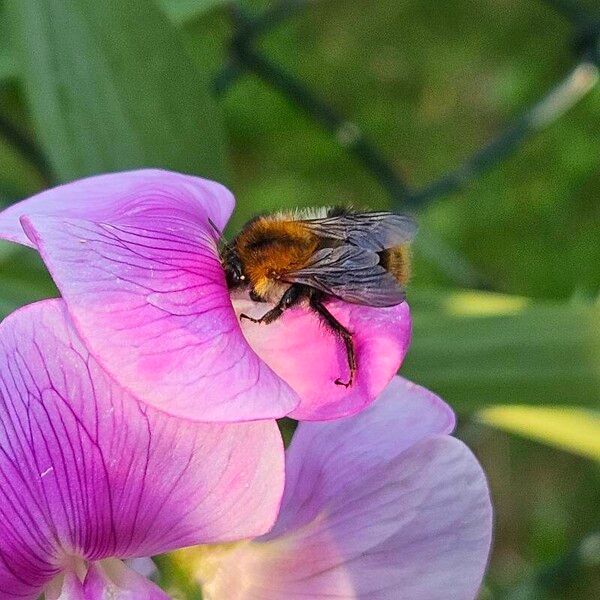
[(572, 429), (479, 350)]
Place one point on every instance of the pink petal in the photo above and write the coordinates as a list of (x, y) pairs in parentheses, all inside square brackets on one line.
[(144, 566), (135, 259), (379, 506), (403, 415), (114, 580), (71, 589), (310, 358), (87, 471), (118, 194)]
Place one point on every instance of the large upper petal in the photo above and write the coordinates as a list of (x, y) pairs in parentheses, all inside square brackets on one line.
[(114, 195), (383, 505), (89, 471), (136, 261)]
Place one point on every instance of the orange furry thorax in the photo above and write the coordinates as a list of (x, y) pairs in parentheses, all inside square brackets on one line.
[(269, 249)]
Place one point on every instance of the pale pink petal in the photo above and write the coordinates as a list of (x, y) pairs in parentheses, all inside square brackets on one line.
[(404, 414), (144, 566), (310, 358), (113, 580), (70, 589), (109, 196), (380, 506), (87, 471), (135, 258)]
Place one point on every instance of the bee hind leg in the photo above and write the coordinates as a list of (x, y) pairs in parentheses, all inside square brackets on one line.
[(292, 296), (316, 303)]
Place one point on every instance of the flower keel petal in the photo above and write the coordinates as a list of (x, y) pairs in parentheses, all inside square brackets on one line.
[(308, 356), (112, 579)]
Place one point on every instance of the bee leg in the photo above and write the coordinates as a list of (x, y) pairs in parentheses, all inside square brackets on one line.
[(316, 303), (291, 297)]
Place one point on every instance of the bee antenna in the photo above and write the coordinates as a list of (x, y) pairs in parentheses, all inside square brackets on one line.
[(215, 228), (222, 241)]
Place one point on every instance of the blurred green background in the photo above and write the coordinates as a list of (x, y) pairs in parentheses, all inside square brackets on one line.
[(87, 87)]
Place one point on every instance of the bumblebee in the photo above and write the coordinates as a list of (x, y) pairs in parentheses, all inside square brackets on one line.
[(310, 256)]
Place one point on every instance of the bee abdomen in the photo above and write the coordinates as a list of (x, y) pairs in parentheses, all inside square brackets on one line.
[(397, 261)]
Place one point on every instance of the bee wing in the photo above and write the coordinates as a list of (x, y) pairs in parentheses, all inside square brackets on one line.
[(374, 231), (352, 274)]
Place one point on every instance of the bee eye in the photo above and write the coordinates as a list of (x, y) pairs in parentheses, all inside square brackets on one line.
[(234, 275)]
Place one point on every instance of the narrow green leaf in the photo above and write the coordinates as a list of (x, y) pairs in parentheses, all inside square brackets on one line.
[(112, 87), (8, 65), (479, 350)]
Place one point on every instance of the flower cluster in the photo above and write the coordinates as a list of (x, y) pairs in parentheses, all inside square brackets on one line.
[(138, 416)]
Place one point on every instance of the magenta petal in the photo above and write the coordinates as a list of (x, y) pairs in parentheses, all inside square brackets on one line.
[(14, 586), (88, 471), (135, 258), (112, 579), (381, 506), (310, 358), (136, 261)]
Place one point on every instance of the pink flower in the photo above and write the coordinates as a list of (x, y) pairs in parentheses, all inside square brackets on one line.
[(382, 505), (136, 261), (89, 475)]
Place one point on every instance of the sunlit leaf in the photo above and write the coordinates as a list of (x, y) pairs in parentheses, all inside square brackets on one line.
[(575, 430), (112, 87)]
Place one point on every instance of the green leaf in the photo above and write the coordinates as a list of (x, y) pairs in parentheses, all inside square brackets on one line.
[(177, 574), (112, 87), (479, 350), (23, 278), (8, 65), (181, 11)]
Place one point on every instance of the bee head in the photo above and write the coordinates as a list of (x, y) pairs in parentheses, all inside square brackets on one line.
[(234, 272)]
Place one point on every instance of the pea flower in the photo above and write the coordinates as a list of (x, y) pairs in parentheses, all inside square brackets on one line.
[(136, 261), (89, 475), (384, 505)]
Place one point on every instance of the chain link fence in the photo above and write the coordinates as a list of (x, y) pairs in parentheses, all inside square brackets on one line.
[(245, 58)]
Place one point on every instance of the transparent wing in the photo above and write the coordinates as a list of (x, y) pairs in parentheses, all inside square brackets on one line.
[(351, 274), (374, 231)]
